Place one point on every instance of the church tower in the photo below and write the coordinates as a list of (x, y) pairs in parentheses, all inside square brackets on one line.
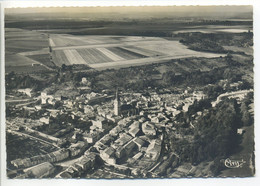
[(117, 104)]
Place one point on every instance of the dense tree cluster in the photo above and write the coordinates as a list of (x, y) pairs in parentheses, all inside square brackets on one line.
[(247, 118), (215, 134), (213, 42), (15, 81)]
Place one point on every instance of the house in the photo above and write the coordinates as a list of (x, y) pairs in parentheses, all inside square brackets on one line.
[(130, 147), (240, 131), (124, 138), (78, 148), (154, 149), (157, 119), (139, 142), (108, 155), (120, 152), (116, 130), (45, 120), (87, 162), (45, 97), (26, 91), (100, 146), (100, 122), (92, 137), (148, 129), (106, 139), (84, 81), (21, 163), (134, 129)]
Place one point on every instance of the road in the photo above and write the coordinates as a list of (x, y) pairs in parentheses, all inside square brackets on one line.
[(16, 100), (228, 94)]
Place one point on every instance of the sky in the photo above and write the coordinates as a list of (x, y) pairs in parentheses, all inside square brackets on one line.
[(188, 11)]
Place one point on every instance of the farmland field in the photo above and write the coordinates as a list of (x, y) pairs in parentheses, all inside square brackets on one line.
[(26, 51), (42, 58), (117, 51), (19, 40), (24, 48)]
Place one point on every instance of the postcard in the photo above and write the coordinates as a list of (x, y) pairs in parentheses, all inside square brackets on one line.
[(129, 92)]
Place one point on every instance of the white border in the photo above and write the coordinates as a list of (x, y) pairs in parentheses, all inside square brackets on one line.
[(193, 181)]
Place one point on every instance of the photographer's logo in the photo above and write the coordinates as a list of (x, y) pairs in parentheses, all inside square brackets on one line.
[(234, 163)]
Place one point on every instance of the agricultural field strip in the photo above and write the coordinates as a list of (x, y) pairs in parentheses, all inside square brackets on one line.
[(126, 53), (60, 58), (149, 60), (142, 51), (52, 44), (37, 52), (106, 45), (93, 55), (74, 57), (19, 60), (87, 40), (110, 54), (61, 41)]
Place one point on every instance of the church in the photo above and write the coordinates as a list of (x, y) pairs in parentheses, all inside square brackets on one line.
[(124, 109)]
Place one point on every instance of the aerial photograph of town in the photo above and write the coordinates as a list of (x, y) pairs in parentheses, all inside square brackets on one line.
[(129, 92)]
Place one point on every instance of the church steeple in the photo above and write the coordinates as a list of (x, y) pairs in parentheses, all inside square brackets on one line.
[(116, 104)]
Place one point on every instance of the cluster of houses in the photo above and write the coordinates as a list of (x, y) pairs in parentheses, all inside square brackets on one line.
[(128, 139), (127, 129), (52, 157), (62, 154), (83, 165)]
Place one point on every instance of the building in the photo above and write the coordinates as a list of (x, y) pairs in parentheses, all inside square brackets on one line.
[(128, 110), (124, 109), (100, 123), (240, 131), (45, 120), (117, 104), (45, 98), (52, 157), (108, 155), (139, 142), (40, 171), (91, 137), (124, 138), (154, 149), (130, 147), (78, 148), (134, 129), (26, 91), (148, 129)]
